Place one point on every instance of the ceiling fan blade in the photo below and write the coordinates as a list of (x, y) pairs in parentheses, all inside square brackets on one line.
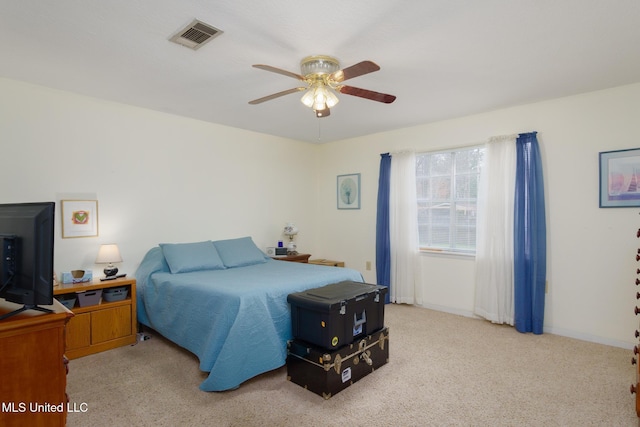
[(276, 95), (359, 69), (278, 71), (368, 94)]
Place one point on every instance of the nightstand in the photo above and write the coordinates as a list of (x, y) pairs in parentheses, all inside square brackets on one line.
[(294, 258), (328, 262), (104, 325)]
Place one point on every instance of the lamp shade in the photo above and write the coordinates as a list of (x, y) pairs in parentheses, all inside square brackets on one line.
[(108, 254), (290, 230)]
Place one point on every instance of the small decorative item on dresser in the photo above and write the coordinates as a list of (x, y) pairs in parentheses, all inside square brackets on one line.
[(76, 276)]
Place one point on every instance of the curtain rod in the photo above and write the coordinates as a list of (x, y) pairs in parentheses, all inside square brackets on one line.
[(454, 147)]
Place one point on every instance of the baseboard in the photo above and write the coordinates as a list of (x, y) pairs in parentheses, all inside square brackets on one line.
[(587, 337), (450, 310), (547, 329)]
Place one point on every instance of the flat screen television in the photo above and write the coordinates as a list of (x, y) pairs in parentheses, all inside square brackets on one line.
[(26, 255)]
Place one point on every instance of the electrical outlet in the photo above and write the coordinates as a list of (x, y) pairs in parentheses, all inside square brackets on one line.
[(368, 265)]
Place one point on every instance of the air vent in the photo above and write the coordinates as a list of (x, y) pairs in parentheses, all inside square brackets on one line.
[(195, 35)]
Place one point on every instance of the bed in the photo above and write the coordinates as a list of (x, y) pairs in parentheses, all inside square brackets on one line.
[(226, 302)]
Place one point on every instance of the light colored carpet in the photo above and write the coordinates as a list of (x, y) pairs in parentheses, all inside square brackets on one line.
[(444, 370)]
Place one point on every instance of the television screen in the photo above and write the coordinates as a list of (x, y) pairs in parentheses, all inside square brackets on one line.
[(26, 249)]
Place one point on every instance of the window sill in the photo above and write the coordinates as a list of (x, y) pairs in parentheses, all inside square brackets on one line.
[(440, 252)]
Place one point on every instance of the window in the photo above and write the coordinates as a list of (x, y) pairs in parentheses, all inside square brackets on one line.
[(447, 196)]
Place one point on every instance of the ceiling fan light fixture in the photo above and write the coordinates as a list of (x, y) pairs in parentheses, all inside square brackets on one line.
[(319, 97), (318, 65), (307, 98), (332, 99)]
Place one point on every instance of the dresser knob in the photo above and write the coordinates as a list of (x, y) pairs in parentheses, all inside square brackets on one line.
[(637, 257), (637, 282), (637, 333), (636, 310), (635, 350), (638, 233), (632, 388), (633, 361)]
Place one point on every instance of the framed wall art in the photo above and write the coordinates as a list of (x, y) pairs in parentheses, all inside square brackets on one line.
[(348, 191), (79, 218), (620, 178)]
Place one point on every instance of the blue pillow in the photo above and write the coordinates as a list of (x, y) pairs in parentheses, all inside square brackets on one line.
[(184, 257), (239, 252)]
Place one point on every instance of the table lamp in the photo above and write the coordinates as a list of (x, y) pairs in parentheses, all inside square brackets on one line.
[(108, 254), (291, 230)]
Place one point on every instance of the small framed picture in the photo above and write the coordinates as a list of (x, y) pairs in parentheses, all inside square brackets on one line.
[(79, 218), (620, 178), (348, 191)]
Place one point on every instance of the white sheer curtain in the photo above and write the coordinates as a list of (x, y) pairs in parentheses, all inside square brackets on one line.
[(403, 229), (494, 244)]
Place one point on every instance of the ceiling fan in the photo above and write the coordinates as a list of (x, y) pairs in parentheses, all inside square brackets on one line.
[(324, 78)]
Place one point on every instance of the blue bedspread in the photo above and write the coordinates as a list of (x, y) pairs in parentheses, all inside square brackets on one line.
[(236, 321)]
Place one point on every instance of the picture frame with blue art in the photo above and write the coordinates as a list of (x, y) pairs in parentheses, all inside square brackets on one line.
[(348, 191)]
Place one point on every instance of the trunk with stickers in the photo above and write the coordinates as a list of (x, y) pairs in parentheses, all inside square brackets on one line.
[(327, 372), (336, 315)]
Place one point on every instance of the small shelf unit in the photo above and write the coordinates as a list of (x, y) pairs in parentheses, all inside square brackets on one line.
[(104, 325)]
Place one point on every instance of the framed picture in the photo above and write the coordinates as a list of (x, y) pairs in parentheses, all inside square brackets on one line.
[(79, 218), (620, 178), (348, 191)]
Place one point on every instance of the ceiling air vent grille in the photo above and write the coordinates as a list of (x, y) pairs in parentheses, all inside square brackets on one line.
[(195, 35)]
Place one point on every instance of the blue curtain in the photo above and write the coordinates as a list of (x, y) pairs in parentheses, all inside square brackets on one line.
[(383, 247), (530, 244)]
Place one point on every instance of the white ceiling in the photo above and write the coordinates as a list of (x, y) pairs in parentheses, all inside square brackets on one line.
[(441, 58)]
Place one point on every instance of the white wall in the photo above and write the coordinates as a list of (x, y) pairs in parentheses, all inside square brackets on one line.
[(591, 255), (163, 178), (157, 177)]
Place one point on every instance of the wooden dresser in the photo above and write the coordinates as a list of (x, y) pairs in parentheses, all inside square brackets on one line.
[(33, 367)]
